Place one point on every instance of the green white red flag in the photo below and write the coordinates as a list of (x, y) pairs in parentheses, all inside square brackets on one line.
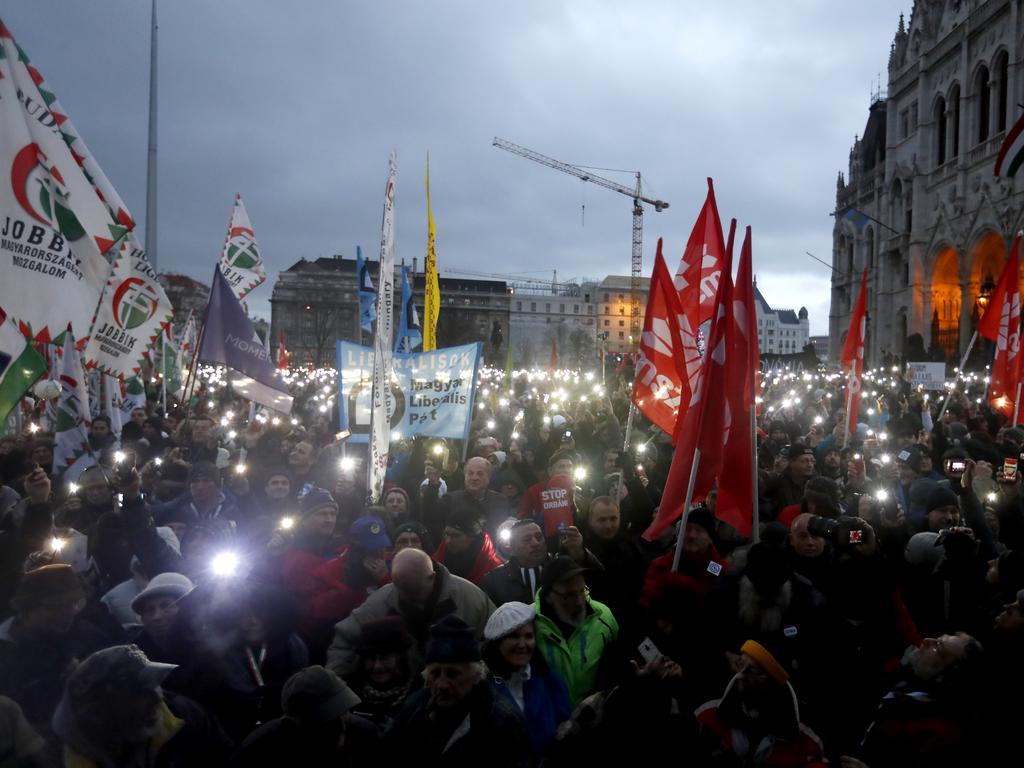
[(71, 453), (59, 215), (240, 261), (132, 314), (20, 366)]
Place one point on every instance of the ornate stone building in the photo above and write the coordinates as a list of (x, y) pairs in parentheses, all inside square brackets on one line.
[(316, 302), (920, 206)]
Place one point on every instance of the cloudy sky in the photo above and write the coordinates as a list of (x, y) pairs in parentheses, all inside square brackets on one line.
[(296, 106)]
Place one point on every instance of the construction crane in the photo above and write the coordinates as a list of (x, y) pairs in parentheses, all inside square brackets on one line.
[(636, 264)]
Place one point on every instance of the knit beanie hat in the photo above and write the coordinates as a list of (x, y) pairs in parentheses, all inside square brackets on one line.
[(941, 497), (452, 641)]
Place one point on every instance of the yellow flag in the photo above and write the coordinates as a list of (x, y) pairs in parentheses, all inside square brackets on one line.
[(432, 291)]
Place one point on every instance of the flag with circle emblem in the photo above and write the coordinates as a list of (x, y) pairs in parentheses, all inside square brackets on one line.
[(240, 261)]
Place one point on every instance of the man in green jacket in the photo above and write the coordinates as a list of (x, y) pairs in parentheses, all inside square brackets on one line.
[(573, 631)]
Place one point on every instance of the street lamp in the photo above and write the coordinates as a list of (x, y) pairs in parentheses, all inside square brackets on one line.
[(988, 287)]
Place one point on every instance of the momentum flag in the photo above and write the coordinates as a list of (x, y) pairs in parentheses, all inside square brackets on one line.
[(851, 357), (1011, 153), (71, 452), (367, 296), (1001, 324), (660, 384), (431, 290), (58, 213), (380, 397), (20, 366), (240, 261), (409, 336), (132, 314), (229, 339)]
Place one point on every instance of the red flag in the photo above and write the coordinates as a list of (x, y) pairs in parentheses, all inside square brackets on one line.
[(696, 281), (851, 358), (660, 384), (735, 502), (1001, 324), (553, 363), (282, 352), (707, 422)]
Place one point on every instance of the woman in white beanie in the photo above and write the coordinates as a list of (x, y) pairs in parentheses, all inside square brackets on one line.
[(519, 672)]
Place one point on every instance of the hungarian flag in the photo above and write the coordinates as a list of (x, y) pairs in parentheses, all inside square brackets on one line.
[(20, 366), (240, 260), (1011, 153), (71, 452), (282, 352), (706, 425), (1001, 324), (851, 357), (696, 281), (660, 384), (735, 502)]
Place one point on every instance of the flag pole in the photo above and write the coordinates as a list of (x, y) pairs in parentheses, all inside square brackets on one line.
[(756, 516), (963, 362), (151, 153), (629, 425), (1016, 406), (849, 404), (163, 370), (686, 510)]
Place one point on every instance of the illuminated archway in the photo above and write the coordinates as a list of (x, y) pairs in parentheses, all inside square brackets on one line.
[(946, 301), (987, 259)]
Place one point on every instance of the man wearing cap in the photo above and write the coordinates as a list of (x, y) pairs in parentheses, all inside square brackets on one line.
[(573, 632), (457, 719), (466, 549), (157, 605), (338, 586), (310, 540), (700, 565), (386, 673), (757, 720), (490, 506), (114, 712), (787, 487), (421, 592), (44, 639), (520, 578), (318, 728)]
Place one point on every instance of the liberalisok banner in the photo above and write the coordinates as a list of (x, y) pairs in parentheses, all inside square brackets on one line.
[(431, 392)]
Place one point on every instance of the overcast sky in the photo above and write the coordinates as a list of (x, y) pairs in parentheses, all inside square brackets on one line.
[(296, 106)]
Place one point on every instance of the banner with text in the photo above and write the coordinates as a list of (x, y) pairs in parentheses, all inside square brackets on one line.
[(431, 392), (930, 376)]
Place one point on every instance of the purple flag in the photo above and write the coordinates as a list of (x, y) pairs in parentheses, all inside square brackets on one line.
[(229, 339)]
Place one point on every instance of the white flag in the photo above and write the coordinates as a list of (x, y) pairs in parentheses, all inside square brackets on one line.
[(380, 428), (133, 313), (58, 213), (240, 261), (71, 452)]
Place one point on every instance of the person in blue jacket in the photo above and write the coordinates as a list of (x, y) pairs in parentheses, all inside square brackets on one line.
[(518, 672)]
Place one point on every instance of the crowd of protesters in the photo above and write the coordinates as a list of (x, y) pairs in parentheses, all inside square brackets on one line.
[(218, 590)]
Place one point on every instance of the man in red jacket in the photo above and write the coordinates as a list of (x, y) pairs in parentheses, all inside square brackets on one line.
[(467, 550)]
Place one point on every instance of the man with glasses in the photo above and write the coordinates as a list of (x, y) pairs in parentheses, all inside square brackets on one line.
[(573, 631)]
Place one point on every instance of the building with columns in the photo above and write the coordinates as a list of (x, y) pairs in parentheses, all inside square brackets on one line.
[(919, 206)]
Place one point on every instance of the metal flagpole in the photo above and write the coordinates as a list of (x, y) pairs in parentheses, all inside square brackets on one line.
[(1016, 406), (963, 362), (686, 510), (151, 159), (629, 425), (163, 369), (756, 518)]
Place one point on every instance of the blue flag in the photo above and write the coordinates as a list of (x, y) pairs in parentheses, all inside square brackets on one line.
[(230, 339), (367, 296), (410, 335)]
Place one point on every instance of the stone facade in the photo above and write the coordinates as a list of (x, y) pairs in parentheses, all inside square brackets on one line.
[(185, 294), (316, 302), (780, 331), (919, 206), (565, 314), (614, 308)]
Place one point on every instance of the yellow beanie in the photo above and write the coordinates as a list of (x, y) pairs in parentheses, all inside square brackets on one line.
[(762, 656)]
